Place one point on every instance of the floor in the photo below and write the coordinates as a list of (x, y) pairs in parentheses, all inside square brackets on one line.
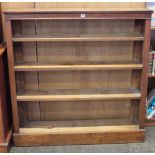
[(147, 146)]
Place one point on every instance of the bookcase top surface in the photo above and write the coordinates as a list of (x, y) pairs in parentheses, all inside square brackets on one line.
[(76, 10)]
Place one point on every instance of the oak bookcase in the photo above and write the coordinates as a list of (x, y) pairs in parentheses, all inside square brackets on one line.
[(78, 76)]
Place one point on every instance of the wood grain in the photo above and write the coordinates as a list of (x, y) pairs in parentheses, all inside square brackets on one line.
[(72, 123), (82, 95), (12, 75), (48, 67), (78, 138), (5, 108), (85, 5), (47, 38), (95, 96), (144, 82), (75, 52)]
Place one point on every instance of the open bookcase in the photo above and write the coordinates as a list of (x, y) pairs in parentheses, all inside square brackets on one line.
[(78, 77)]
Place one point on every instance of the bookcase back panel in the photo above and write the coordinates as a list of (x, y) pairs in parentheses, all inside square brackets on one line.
[(84, 26), (77, 52), (23, 27), (78, 110), (75, 27), (63, 80), (25, 52)]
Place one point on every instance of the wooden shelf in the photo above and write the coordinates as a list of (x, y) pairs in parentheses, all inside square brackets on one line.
[(48, 67), (71, 130), (151, 76), (78, 135), (150, 122), (77, 10), (68, 37), (78, 123), (75, 95), (152, 28)]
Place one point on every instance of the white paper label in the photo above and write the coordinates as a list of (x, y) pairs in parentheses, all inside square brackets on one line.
[(83, 15)]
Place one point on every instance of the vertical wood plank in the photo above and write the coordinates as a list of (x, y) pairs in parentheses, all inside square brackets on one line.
[(8, 33), (144, 81), (1, 100)]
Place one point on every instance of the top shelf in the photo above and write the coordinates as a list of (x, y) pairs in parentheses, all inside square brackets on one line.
[(81, 37)]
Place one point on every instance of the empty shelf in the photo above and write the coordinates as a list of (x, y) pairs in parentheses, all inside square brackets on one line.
[(48, 67), (75, 95), (78, 135), (78, 123), (69, 130), (85, 37)]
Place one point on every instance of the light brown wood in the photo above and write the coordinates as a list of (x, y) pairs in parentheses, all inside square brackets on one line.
[(144, 82), (31, 38), (6, 146), (80, 138), (32, 11), (85, 5), (2, 49), (73, 123), (75, 97), (11, 72), (74, 130), (123, 94), (48, 67), (17, 5)]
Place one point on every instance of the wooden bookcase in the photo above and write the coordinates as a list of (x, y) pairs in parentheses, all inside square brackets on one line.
[(78, 77)]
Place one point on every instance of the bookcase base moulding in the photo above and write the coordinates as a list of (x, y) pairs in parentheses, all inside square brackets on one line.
[(78, 76)]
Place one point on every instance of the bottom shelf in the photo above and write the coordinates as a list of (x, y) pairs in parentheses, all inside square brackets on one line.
[(74, 130), (77, 123), (78, 135), (36, 133)]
